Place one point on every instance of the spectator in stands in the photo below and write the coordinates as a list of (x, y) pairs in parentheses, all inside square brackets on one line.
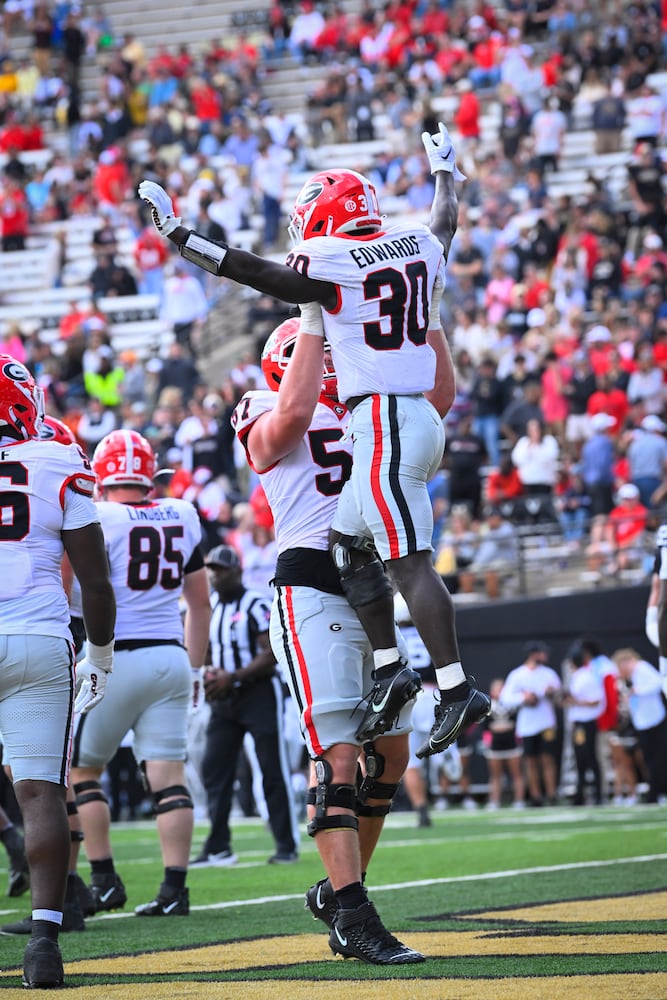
[(464, 458), (42, 28), (96, 422), (647, 457), (618, 544), (184, 306), (536, 456), (268, 176), (150, 254), (105, 380), (109, 277), (555, 375), (573, 504), (522, 409), (608, 119), (133, 386), (178, 371), (456, 547), (548, 129), (646, 386), (487, 398), (496, 556), (609, 399), (597, 465), (14, 215)]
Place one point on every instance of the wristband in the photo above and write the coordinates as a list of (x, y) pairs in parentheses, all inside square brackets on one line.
[(311, 323), (434, 312), (204, 253), (663, 665), (100, 657)]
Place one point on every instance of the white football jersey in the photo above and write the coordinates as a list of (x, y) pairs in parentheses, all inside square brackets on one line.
[(378, 330), (303, 488), (45, 487), (149, 546)]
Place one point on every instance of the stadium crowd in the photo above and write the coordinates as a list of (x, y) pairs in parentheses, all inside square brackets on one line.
[(555, 305)]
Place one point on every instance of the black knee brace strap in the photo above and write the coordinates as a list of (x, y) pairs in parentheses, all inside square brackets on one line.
[(367, 583), (326, 794), (72, 809), (89, 791), (76, 836), (183, 801), (371, 787)]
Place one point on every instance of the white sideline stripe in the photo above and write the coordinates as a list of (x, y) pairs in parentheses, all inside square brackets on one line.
[(511, 873)]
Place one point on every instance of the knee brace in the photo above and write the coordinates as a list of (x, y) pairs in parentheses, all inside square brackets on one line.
[(88, 791), (76, 836), (179, 798), (370, 787), (366, 583), (326, 794)]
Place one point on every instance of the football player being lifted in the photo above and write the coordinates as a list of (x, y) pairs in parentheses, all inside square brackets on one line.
[(374, 292)]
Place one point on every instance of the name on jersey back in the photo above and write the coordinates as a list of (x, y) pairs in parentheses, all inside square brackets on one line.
[(370, 253), (163, 512)]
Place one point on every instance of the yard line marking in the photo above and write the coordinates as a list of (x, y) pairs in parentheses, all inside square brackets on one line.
[(510, 873)]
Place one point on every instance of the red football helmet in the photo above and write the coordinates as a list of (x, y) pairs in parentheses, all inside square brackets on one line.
[(334, 202), (21, 399), (53, 429), (278, 350), (124, 458)]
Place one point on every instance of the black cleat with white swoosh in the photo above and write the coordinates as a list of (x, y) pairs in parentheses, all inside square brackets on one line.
[(360, 933), (321, 901), (108, 892), (386, 699), (169, 902), (452, 718)]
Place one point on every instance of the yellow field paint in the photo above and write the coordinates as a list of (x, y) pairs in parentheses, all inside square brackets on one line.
[(620, 987), (650, 906)]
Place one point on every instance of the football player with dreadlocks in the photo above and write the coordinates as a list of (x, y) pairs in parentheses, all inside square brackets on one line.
[(379, 290), (295, 438)]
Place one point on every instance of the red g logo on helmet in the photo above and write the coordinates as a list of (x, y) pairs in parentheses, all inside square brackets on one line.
[(21, 399)]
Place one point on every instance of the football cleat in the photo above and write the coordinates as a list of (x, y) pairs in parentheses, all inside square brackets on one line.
[(452, 718), (76, 886), (321, 901), (42, 964), (169, 902), (108, 892), (386, 699), (360, 933)]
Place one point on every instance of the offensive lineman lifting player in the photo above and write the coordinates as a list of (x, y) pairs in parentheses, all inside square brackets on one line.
[(379, 292), (295, 440)]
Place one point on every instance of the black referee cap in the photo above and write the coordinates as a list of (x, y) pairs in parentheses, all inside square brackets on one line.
[(224, 556)]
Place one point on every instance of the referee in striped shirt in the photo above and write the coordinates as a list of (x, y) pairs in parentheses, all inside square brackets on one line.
[(246, 696)]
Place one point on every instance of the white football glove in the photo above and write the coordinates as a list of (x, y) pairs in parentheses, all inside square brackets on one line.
[(162, 208), (91, 676), (440, 151)]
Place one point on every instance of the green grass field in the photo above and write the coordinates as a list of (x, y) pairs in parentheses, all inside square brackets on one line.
[(504, 900)]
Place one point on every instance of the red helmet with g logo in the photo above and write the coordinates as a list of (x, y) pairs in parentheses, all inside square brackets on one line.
[(21, 400), (334, 202)]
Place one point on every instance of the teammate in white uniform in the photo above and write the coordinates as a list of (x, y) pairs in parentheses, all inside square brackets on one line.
[(47, 509), (380, 291), (296, 441), (153, 551)]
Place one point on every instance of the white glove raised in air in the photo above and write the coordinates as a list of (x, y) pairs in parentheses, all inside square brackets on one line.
[(91, 676), (440, 151), (162, 207)]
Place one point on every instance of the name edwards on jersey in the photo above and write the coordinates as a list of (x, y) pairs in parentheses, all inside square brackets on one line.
[(365, 255)]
